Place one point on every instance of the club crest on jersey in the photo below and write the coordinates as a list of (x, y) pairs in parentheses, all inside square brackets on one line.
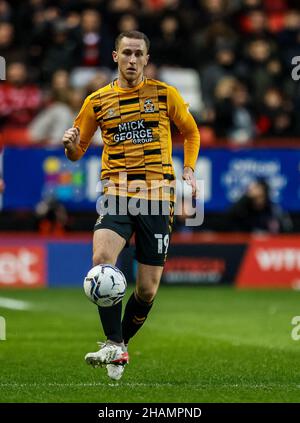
[(148, 106), (110, 112)]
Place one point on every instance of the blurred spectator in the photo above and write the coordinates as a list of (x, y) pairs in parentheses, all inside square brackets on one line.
[(94, 42), (128, 22), (39, 25), (2, 185), (9, 48), (60, 81), (5, 11), (62, 51), (242, 129), (51, 217), (254, 24), (19, 99), (255, 212), (259, 54), (72, 20), (213, 10), (49, 125), (233, 116), (276, 115), (225, 65), (289, 37), (118, 8), (205, 41), (212, 24), (167, 47), (258, 23), (122, 6)]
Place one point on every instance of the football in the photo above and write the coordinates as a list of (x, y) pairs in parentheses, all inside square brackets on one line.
[(105, 285)]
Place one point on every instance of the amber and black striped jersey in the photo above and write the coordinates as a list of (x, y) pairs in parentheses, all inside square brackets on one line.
[(135, 126)]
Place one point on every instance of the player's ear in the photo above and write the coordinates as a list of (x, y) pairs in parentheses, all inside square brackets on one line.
[(115, 56), (147, 59)]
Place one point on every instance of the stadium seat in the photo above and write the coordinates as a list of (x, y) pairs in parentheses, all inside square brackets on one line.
[(80, 77), (187, 81)]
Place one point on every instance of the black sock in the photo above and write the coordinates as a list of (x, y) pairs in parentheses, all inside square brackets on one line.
[(135, 314), (111, 322)]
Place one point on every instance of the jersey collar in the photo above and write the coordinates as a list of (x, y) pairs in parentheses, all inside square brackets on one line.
[(127, 90)]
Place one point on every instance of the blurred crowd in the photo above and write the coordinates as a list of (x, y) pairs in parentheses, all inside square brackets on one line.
[(57, 52)]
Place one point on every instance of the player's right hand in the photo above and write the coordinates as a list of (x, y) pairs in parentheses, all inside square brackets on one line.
[(71, 137)]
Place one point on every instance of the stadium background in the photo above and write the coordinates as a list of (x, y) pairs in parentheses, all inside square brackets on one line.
[(232, 61)]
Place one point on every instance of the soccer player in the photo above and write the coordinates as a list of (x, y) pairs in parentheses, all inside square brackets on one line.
[(134, 114)]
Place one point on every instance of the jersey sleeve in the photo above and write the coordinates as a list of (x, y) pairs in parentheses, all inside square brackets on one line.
[(86, 122), (179, 113)]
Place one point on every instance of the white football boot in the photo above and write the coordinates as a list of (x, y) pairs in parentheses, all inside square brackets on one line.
[(108, 353), (115, 371)]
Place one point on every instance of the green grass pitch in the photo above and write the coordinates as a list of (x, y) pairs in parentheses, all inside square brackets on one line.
[(198, 345)]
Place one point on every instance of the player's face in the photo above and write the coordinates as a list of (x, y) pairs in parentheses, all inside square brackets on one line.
[(131, 57)]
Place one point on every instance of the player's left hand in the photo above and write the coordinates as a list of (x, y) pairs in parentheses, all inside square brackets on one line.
[(189, 177), (2, 185)]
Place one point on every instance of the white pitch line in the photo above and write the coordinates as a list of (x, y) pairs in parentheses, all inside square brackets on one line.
[(13, 304), (149, 385)]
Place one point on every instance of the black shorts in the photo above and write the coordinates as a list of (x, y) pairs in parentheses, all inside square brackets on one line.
[(150, 221)]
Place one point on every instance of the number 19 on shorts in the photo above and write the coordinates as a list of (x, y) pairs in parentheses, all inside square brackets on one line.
[(162, 243)]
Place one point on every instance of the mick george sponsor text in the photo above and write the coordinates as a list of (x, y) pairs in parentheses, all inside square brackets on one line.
[(135, 130)]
